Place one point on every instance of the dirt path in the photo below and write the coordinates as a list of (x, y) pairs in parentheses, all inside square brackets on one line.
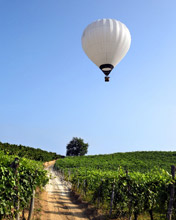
[(56, 202)]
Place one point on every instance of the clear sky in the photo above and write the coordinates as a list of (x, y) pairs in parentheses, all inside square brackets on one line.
[(51, 92)]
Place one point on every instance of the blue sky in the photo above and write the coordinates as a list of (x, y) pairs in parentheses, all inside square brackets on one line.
[(50, 91)]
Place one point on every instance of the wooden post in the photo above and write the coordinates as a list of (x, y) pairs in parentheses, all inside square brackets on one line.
[(23, 214), (85, 187), (151, 214), (14, 166), (69, 173), (18, 208), (135, 216), (172, 192), (31, 206), (130, 203), (78, 184), (100, 193), (112, 198)]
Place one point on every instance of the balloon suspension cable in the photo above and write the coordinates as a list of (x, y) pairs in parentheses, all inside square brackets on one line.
[(106, 69)]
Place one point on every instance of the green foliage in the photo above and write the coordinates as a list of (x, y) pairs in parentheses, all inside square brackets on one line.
[(18, 185), (145, 188), (132, 161), (77, 147), (28, 152)]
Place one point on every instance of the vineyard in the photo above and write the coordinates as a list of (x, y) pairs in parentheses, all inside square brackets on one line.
[(125, 185), (19, 178), (28, 152)]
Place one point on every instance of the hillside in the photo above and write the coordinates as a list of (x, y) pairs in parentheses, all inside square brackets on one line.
[(141, 161), (28, 152), (123, 184)]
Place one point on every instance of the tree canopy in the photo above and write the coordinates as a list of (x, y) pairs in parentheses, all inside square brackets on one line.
[(77, 147)]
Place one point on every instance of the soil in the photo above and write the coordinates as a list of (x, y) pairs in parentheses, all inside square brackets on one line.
[(57, 202)]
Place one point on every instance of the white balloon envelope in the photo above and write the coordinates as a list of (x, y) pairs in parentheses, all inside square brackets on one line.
[(106, 42)]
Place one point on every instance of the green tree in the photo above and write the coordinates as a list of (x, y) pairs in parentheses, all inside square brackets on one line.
[(77, 147)]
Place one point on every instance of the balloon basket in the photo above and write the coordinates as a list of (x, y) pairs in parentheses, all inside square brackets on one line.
[(107, 78)]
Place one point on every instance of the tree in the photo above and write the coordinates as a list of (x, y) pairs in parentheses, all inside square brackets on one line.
[(77, 147)]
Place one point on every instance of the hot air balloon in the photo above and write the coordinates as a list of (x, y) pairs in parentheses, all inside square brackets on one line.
[(106, 42)]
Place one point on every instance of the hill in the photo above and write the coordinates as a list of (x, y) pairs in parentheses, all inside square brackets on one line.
[(28, 152), (141, 161)]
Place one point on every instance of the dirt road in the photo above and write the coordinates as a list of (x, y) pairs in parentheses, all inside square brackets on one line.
[(56, 202)]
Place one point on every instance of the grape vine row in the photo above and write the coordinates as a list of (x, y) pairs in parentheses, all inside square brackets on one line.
[(133, 193), (16, 186)]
